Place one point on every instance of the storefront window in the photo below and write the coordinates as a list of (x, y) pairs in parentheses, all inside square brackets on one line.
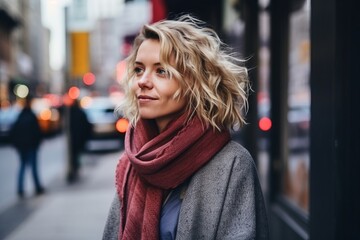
[(263, 96), (297, 164)]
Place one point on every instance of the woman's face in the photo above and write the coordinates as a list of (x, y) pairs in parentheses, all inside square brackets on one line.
[(153, 87)]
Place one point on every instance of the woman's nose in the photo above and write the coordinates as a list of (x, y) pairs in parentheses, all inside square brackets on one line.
[(145, 81)]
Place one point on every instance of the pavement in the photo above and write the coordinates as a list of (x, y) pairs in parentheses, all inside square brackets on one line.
[(66, 212)]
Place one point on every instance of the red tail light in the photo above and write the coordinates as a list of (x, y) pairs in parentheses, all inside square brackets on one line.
[(265, 124), (122, 125)]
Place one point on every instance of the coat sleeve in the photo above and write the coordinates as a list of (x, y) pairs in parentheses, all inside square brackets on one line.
[(112, 225), (224, 200), (244, 214)]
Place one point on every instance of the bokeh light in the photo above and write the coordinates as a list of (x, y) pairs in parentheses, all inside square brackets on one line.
[(122, 125), (89, 78), (74, 92), (265, 123), (21, 90)]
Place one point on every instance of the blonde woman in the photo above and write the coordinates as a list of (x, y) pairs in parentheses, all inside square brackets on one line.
[(181, 176)]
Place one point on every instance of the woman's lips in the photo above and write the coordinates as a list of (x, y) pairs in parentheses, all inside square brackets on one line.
[(145, 98)]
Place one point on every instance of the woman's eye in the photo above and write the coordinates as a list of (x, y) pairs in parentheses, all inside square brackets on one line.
[(162, 72), (138, 70)]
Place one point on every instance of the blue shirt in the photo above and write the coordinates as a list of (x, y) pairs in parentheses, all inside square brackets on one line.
[(170, 213)]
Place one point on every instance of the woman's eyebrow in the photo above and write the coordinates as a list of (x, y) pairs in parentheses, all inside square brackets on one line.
[(140, 63)]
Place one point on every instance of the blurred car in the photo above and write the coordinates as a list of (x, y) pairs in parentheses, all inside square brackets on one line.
[(108, 129), (48, 116), (8, 116)]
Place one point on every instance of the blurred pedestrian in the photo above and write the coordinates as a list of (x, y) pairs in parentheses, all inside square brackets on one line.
[(181, 176), (26, 137), (80, 131)]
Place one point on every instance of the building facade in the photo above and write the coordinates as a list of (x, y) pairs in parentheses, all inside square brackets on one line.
[(26, 60)]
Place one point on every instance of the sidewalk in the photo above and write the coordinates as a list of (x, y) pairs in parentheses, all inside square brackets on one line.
[(69, 212)]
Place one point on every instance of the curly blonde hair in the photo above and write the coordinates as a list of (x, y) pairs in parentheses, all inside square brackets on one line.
[(211, 78)]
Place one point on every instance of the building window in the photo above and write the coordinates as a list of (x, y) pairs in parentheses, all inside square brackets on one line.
[(297, 163), (264, 123)]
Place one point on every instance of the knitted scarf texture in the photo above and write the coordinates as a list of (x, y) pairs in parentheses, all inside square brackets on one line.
[(153, 164)]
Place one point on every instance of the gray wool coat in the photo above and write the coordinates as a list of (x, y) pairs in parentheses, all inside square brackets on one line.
[(223, 201)]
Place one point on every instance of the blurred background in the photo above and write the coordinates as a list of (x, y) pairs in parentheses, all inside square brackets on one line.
[(302, 57)]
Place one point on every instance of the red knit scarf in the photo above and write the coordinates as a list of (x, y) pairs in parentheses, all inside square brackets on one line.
[(154, 163)]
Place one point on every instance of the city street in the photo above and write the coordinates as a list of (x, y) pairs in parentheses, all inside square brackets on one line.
[(76, 211), (51, 161)]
